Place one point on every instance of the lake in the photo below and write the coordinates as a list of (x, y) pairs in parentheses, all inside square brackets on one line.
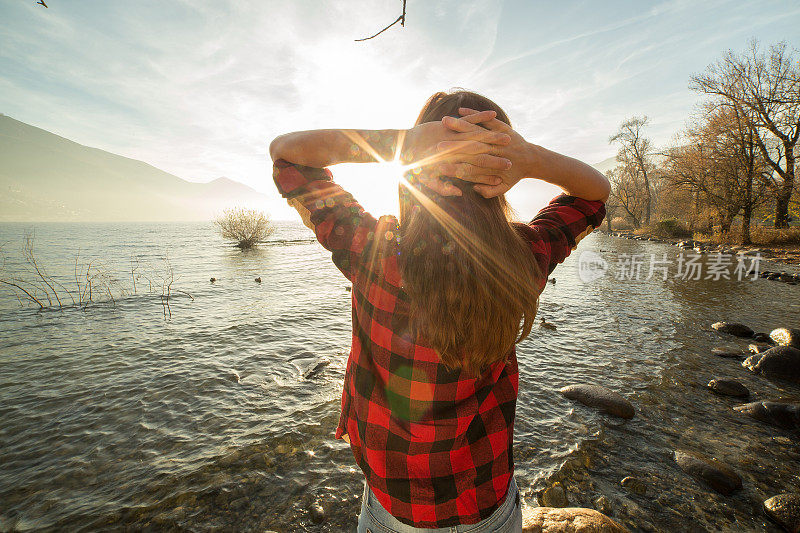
[(214, 413)]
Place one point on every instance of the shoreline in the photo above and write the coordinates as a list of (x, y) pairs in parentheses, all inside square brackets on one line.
[(782, 254)]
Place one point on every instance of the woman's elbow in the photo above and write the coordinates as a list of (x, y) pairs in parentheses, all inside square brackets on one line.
[(276, 148), (606, 186)]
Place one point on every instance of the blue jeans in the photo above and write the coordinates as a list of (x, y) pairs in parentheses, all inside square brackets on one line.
[(505, 519)]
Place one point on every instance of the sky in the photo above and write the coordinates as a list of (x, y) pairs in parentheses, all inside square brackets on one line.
[(200, 87)]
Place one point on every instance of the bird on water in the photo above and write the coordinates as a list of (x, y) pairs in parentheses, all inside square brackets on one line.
[(546, 325)]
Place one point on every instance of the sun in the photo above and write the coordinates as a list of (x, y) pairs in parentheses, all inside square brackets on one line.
[(391, 172)]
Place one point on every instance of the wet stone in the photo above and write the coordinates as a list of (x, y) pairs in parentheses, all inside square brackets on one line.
[(733, 328), (784, 510), (721, 351), (728, 387), (554, 496), (786, 337), (634, 485), (603, 505), (573, 519), (780, 362), (600, 397), (784, 415), (762, 337), (317, 513), (713, 472), (758, 348)]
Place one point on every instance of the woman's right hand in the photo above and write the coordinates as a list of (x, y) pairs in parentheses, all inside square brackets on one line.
[(470, 146), (520, 153)]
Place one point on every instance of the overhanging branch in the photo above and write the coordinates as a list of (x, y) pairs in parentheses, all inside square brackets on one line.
[(401, 19)]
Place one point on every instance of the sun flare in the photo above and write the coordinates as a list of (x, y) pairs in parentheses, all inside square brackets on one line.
[(392, 172)]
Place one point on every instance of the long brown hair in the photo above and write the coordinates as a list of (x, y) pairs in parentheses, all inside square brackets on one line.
[(471, 279)]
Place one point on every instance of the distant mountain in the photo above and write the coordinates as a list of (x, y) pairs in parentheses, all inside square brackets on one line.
[(606, 164), (44, 177)]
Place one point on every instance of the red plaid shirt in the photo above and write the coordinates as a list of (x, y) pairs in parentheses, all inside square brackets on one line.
[(433, 443)]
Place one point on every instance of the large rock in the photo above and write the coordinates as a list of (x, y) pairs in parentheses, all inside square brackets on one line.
[(600, 397), (762, 337), (568, 520), (781, 414), (728, 387), (733, 328), (714, 473), (781, 362), (786, 337), (784, 509)]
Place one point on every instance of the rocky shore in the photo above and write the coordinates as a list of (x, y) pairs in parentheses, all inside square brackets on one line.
[(774, 356), (779, 254)]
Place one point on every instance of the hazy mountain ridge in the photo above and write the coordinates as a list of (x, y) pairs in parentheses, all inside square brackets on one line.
[(45, 177), (606, 164)]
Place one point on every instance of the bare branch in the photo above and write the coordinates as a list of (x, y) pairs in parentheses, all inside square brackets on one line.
[(401, 19)]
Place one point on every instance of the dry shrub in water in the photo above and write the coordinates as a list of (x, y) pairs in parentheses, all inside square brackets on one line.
[(246, 227)]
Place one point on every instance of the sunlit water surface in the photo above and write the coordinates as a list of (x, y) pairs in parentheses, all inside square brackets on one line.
[(117, 417)]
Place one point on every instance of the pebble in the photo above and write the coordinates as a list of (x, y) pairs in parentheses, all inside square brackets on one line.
[(758, 348), (722, 351), (601, 397), (554, 496), (603, 505), (728, 387), (713, 472), (317, 513), (733, 328), (784, 509), (634, 485)]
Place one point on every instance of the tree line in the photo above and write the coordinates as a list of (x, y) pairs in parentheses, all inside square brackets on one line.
[(734, 161)]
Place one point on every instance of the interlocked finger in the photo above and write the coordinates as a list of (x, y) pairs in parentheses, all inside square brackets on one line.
[(466, 130), (493, 123), (479, 116), (468, 172), (463, 147), (489, 164), (465, 124)]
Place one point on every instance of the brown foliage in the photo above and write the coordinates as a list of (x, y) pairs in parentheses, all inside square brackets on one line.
[(246, 227)]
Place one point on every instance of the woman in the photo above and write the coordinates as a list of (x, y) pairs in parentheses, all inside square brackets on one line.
[(440, 298)]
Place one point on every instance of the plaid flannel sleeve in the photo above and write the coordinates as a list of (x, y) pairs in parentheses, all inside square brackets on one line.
[(556, 230), (339, 222)]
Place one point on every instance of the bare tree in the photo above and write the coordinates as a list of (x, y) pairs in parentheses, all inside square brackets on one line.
[(627, 193), (766, 87), (635, 156), (246, 227), (717, 159)]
